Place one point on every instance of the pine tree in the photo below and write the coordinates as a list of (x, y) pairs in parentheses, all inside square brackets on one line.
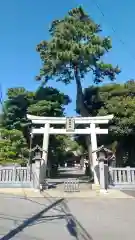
[(75, 48)]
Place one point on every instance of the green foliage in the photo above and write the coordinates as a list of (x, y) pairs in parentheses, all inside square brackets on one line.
[(46, 101), (13, 147), (75, 45), (1, 119), (75, 48), (60, 147), (117, 99), (18, 100), (72, 145)]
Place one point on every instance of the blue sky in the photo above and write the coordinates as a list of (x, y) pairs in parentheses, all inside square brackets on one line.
[(23, 24)]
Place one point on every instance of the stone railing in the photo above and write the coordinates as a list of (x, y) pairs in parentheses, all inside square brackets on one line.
[(121, 176), (14, 175)]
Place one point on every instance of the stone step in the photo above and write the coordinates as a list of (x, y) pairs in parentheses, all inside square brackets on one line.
[(95, 187)]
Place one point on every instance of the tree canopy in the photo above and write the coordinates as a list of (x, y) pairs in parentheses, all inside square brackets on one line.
[(117, 99), (74, 49), (13, 147), (45, 101)]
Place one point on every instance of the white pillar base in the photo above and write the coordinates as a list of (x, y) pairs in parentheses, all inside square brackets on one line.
[(104, 191), (96, 180), (36, 190)]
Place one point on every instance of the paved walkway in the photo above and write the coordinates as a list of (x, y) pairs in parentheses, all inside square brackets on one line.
[(53, 193), (69, 219)]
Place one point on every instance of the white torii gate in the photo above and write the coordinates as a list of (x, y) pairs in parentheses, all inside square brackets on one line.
[(92, 130)]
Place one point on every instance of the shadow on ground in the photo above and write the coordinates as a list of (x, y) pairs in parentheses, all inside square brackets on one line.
[(69, 175), (129, 192), (73, 226)]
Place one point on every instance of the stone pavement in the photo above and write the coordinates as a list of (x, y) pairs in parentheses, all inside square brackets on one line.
[(69, 219), (54, 193)]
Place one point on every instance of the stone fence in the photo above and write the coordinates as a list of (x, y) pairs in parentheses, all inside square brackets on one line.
[(31, 177), (122, 177), (14, 176)]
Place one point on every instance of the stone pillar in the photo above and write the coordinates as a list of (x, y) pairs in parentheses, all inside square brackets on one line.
[(106, 170), (36, 173), (102, 174), (45, 142), (45, 151), (103, 168), (94, 154)]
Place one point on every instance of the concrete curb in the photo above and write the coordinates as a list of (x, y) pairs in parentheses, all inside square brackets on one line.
[(89, 194), (27, 192)]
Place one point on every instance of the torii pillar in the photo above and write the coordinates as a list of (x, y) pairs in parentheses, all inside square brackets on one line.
[(94, 154), (45, 148), (93, 131)]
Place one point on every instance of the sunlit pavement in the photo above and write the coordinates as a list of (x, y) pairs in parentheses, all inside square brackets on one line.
[(81, 219), (71, 171)]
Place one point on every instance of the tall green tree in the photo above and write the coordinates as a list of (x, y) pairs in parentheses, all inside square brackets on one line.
[(75, 48), (49, 101), (18, 100), (43, 102), (117, 99), (46, 101)]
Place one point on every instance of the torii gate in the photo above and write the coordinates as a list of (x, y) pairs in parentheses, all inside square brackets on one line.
[(70, 129)]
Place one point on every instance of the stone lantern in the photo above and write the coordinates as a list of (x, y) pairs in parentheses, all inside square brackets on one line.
[(103, 159), (36, 166), (37, 153)]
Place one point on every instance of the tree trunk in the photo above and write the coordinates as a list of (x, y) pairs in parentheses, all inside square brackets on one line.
[(82, 109), (80, 105)]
